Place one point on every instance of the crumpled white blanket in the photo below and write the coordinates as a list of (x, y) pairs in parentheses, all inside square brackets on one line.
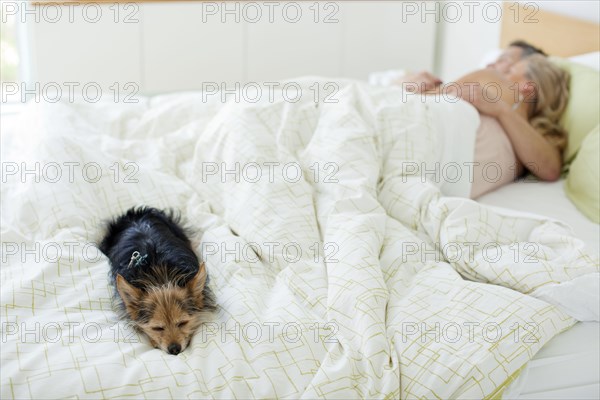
[(346, 275)]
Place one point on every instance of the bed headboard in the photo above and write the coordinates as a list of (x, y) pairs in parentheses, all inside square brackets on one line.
[(556, 34)]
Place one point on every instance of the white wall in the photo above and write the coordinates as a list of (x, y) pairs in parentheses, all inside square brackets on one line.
[(180, 45), (464, 41)]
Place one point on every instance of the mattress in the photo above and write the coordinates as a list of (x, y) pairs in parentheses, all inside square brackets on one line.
[(568, 366)]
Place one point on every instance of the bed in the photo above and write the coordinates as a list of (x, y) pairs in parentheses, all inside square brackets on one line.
[(320, 241), (290, 324), (576, 351), (568, 366)]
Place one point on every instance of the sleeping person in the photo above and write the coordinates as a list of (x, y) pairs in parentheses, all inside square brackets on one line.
[(516, 51), (520, 98), (519, 130)]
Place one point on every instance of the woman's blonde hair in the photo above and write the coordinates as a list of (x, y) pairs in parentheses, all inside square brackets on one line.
[(551, 98)]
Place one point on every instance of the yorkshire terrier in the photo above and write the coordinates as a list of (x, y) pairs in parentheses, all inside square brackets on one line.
[(160, 284)]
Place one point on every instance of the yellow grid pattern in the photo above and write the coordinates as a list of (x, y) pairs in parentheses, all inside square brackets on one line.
[(369, 296)]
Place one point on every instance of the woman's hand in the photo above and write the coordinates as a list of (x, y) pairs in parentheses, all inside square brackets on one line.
[(485, 101)]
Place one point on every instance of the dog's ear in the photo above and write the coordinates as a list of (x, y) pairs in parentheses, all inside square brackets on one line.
[(196, 284), (130, 295)]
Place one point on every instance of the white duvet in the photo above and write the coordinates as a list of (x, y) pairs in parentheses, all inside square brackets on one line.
[(340, 272)]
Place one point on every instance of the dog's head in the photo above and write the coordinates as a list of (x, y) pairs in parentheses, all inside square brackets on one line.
[(168, 314)]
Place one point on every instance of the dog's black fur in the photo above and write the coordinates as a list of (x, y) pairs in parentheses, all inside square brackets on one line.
[(152, 232)]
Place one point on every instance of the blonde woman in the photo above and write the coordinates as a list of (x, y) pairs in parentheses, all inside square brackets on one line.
[(519, 110)]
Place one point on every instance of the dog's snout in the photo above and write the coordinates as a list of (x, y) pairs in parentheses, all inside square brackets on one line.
[(174, 349)]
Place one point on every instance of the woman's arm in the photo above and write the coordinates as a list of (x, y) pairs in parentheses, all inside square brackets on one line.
[(538, 155)]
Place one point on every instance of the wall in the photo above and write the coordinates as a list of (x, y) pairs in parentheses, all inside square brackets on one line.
[(465, 41), (178, 46)]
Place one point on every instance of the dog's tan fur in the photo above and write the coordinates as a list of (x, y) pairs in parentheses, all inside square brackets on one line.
[(167, 313)]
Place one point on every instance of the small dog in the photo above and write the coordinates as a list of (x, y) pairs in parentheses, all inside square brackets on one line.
[(158, 278)]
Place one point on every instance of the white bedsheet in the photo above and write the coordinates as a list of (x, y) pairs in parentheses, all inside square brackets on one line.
[(568, 366), (367, 309), (548, 199)]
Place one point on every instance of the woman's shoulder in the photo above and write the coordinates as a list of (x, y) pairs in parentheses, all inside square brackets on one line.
[(482, 76), (495, 160)]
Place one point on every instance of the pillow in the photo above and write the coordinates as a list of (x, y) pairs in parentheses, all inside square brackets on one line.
[(583, 182), (592, 60), (581, 114), (489, 57)]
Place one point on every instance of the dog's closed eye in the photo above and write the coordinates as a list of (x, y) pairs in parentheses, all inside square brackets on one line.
[(158, 329), (182, 323)]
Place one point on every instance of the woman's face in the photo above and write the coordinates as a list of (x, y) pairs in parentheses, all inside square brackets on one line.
[(517, 74), (508, 57)]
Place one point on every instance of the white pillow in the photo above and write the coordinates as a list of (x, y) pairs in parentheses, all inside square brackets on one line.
[(590, 59), (490, 57)]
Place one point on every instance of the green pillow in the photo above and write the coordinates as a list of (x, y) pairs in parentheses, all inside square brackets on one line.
[(581, 114), (583, 183)]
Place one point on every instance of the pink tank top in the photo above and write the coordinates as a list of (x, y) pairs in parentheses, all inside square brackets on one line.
[(496, 163)]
